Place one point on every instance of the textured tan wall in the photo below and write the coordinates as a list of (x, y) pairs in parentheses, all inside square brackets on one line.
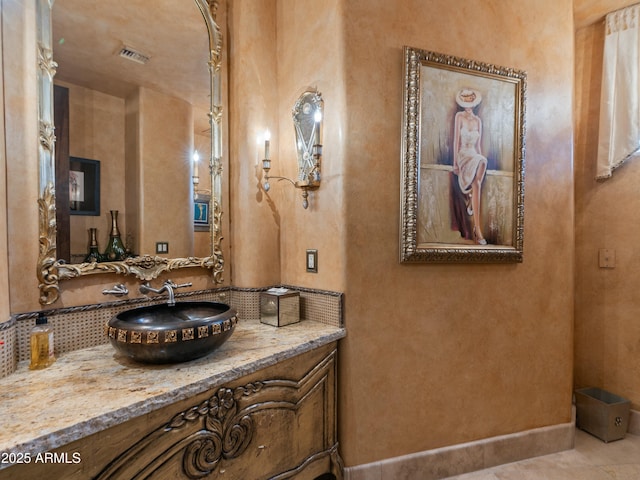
[(310, 45), (4, 260), (279, 49), (166, 200), (607, 333), (132, 169), (255, 216), (97, 131), (21, 132), (441, 354), (96, 126)]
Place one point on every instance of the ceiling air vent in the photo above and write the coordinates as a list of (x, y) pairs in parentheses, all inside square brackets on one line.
[(133, 55)]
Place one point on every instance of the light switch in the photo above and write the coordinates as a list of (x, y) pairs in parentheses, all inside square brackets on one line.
[(312, 261), (607, 258)]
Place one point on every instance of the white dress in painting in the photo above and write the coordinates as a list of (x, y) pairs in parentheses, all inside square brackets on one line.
[(468, 159)]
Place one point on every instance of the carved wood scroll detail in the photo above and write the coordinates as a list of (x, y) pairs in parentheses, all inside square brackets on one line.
[(47, 269), (210, 434), (227, 432)]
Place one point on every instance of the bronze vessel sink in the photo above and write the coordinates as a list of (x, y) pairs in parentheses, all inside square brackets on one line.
[(171, 333)]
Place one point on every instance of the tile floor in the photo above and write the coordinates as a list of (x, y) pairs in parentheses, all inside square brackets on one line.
[(592, 459)]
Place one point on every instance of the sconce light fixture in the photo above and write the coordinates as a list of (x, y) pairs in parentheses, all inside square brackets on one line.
[(307, 121), (195, 178)]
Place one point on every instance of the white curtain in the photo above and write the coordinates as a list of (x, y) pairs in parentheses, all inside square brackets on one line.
[(619, 133)]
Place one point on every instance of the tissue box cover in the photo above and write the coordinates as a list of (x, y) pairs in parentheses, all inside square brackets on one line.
[(279, 307)]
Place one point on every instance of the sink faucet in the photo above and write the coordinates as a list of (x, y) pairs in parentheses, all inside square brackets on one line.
[(167, 286)]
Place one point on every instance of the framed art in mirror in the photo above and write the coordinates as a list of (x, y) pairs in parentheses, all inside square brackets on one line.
[(201, 221), (84, 186), (463, 160)]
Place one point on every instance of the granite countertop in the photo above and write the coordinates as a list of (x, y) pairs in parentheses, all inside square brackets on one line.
[(90, 390)]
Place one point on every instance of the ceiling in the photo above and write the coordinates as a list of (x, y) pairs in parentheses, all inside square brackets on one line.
[(87, 36)]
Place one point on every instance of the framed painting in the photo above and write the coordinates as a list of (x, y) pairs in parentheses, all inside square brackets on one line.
[(84, 186), (201, 213), (463, 160)]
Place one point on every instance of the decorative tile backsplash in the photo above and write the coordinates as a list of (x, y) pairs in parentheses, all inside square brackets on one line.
[(8, 347), (317, 305), (82, 327)]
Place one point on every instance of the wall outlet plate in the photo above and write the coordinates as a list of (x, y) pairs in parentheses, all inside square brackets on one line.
[(312, 261), (162, 247), (607, 258)]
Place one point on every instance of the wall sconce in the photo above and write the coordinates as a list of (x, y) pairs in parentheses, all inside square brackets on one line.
[(195, 178), (307, 121)]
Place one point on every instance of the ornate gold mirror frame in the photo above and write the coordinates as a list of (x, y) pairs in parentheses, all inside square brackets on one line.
[(50, 270)]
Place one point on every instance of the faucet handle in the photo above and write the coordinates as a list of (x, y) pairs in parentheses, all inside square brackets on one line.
[(119, 290), (172, 284)]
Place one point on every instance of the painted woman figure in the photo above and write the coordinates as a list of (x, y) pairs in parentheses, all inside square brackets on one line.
[(469, 165)]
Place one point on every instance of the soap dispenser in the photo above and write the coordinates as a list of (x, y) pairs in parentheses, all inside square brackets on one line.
[(42, 354)]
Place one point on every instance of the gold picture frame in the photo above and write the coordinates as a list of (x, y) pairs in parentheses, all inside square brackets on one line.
[(463, 160)]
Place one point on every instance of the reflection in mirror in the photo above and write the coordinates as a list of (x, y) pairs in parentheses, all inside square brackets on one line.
[(140, 123)]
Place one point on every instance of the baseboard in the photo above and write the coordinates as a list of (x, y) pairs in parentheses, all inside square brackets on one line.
[(469, 457)]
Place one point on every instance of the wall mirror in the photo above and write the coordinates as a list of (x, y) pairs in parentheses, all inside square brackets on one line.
[(307, 121), (307, 113), (138, 90)]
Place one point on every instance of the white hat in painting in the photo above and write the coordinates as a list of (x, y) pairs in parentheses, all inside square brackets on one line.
[(468, 98)]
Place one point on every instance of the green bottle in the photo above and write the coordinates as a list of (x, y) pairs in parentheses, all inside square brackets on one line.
[(94, 254), (115, 250)]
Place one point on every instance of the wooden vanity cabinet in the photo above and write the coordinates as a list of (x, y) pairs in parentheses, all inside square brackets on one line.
[(277, 423)]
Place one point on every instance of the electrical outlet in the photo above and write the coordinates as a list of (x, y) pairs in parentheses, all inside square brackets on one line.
[(607, 258), (312, 261), (162, 247)]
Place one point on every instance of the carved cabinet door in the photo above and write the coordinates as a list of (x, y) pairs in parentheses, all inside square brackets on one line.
[(278, 423)]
